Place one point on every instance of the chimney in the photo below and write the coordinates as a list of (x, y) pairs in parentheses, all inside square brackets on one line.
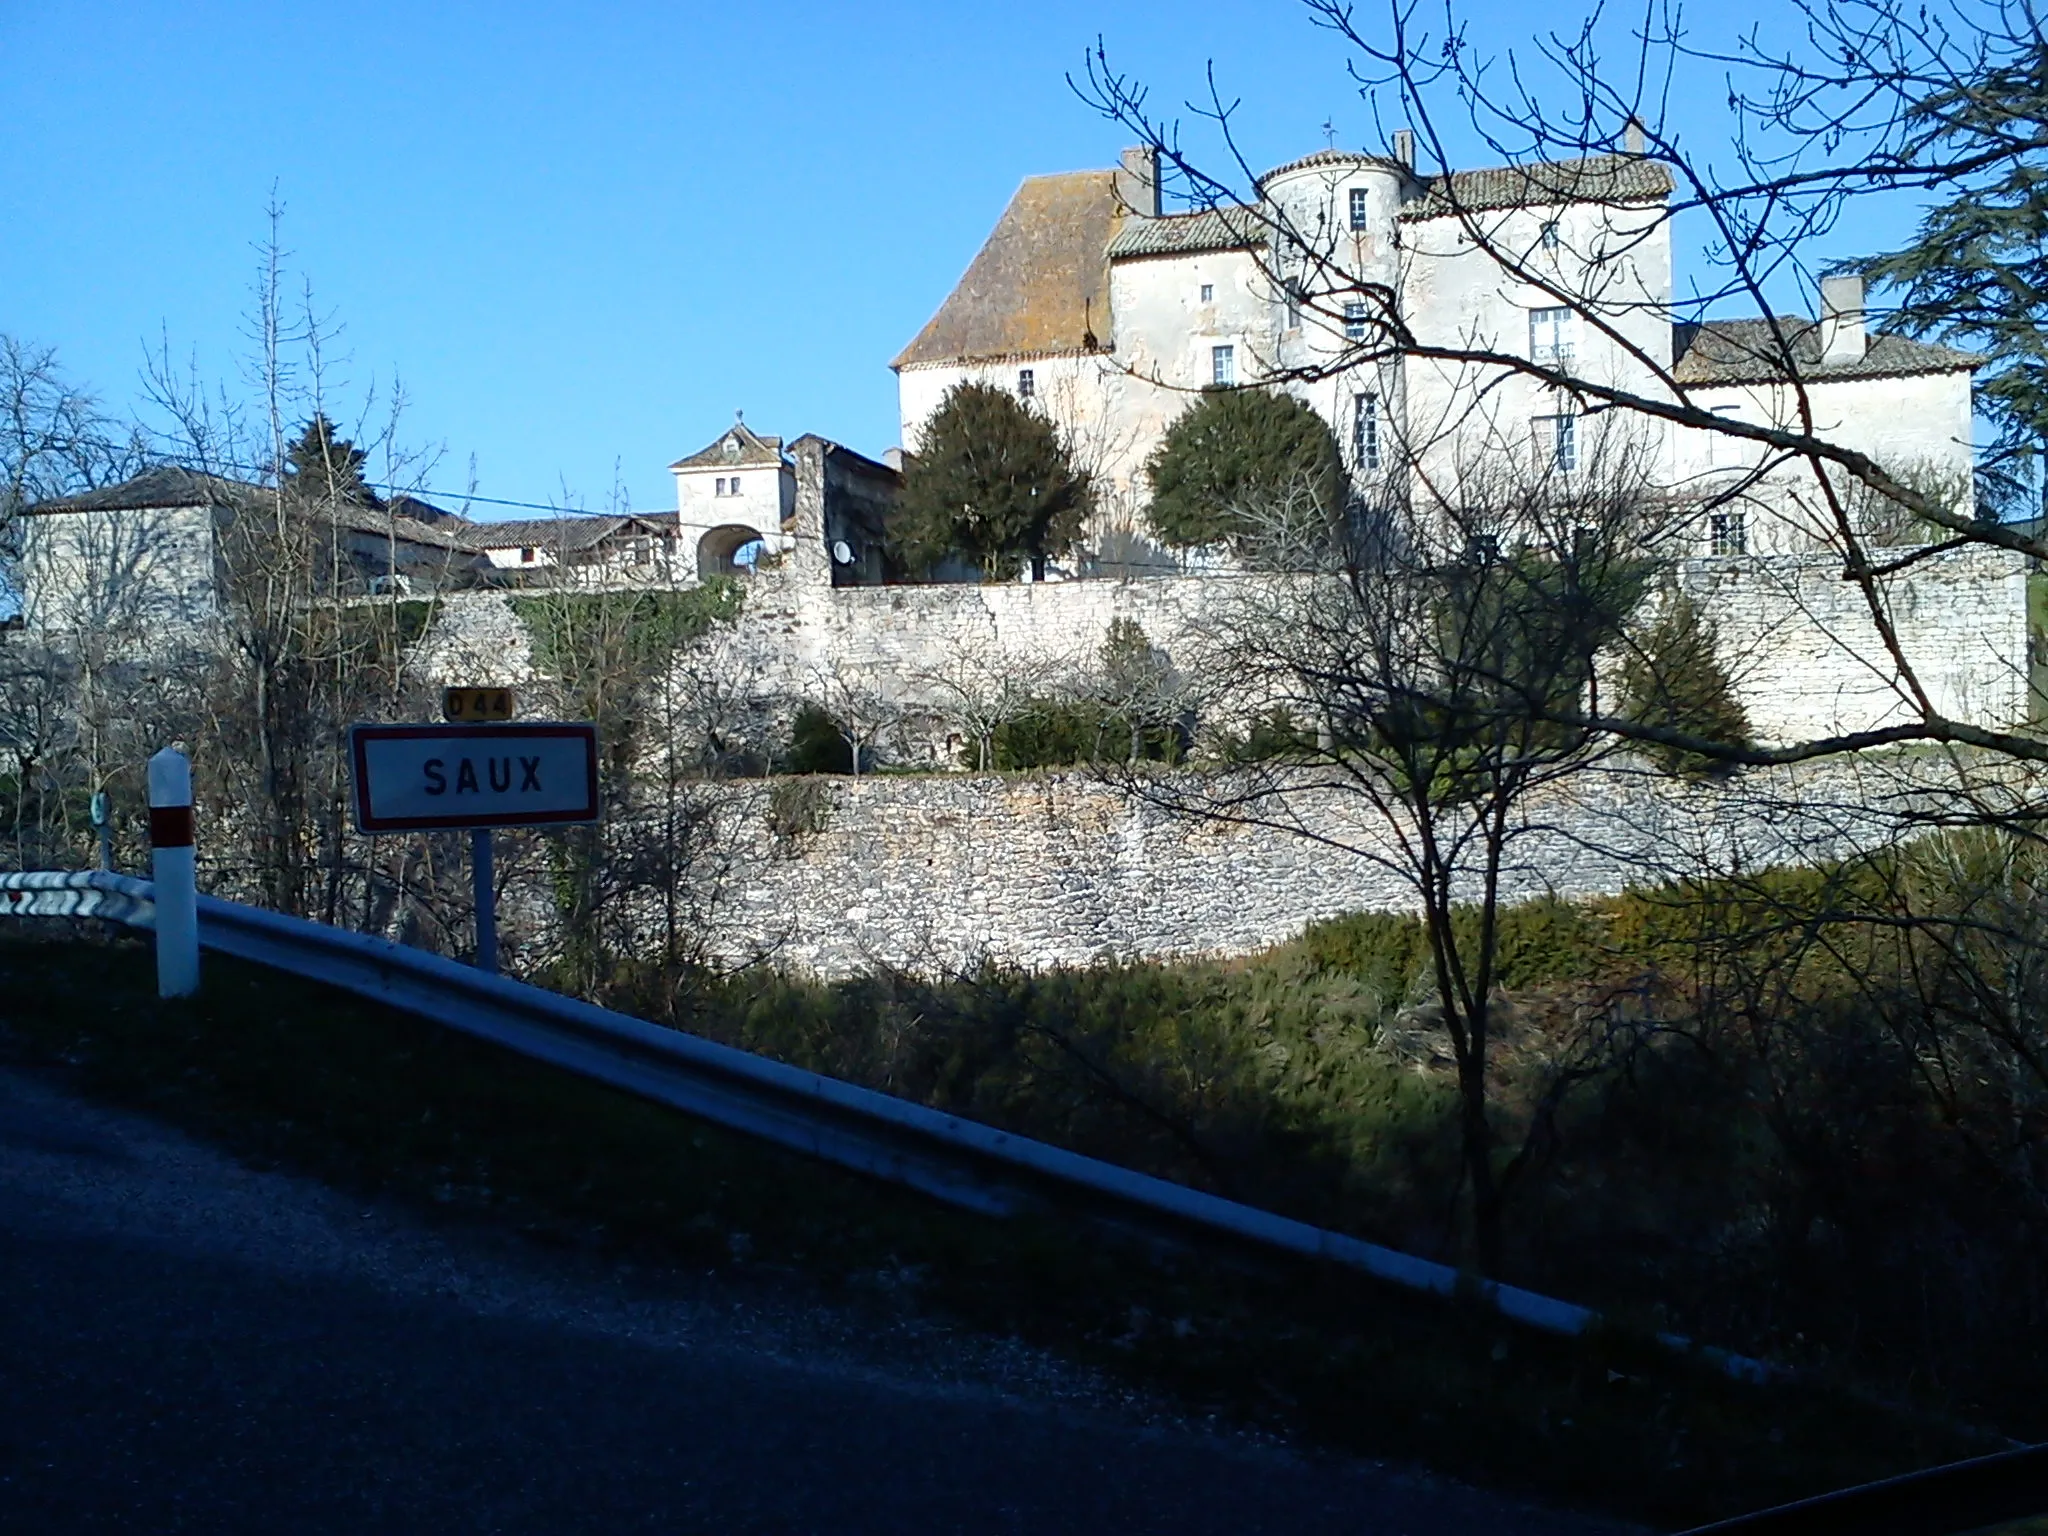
[(1404, 146), (1632, 140), (1137, 181), (1841, 319), (893, 457)]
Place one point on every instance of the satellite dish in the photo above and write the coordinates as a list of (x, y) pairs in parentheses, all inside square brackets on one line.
[(842, 551)]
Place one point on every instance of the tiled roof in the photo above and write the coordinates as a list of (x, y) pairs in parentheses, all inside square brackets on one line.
[(1232, 228), (1607, 179), (1040, 283), (168, 486), (572, 530), (171, 486), (1334, 157), (426, 512), (568, 532), (387, 525), (1748, 352), (746, 447)]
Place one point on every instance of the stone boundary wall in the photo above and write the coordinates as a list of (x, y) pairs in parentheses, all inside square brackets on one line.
[(1796, 638), (935, 873)]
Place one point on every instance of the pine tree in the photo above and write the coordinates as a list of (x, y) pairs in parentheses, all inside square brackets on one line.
[(1234, 453), (994, 482), (324, 465), (1674, 680)]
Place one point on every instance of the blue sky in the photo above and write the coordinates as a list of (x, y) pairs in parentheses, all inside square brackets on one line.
[(582, 235)]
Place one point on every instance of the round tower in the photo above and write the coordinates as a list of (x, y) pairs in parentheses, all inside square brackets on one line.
[(1335, 254)]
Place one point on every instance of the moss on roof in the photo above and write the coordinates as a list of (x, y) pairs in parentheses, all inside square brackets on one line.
[(1040, 283)]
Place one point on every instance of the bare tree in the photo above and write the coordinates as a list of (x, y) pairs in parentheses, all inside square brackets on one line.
[(1429, 662), (298, 652), (980, 689), (861, 705)]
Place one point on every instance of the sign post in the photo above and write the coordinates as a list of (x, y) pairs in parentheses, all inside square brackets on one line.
[(484, 894), (103, 818), (426, 778)]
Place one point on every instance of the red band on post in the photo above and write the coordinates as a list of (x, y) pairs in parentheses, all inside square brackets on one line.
[(170, 826)]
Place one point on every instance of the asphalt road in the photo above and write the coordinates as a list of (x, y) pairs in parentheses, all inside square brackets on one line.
[(189, 1345)]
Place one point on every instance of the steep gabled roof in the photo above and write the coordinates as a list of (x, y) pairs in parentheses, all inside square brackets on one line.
[(738, 445), (1748, 352), (1040, 283), (1608, 179), (1233, 227)]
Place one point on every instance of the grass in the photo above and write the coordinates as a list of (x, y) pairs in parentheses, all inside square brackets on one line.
[(286, 1074)]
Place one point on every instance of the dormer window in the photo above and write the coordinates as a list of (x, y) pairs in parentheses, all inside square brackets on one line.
[(1358, 207), (1027, 384)]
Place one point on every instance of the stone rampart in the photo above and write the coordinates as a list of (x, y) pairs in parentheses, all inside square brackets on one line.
[(935, 873), (1799, 642)]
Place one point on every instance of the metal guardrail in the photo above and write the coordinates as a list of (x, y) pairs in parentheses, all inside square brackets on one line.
[(81, 893), (959, 1161), (1942, 1501)]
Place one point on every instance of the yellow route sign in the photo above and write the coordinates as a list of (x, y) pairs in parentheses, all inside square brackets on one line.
[(476, 706)]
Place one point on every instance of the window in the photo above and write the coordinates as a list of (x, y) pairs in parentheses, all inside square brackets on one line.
[(1208, 293), (526, 555), (1027, 384), (1557, 443), (1293, 306), (1550, 336), (1354, 320), (719, 489), (1551, 236), (1358, 207), (1727, 533), (640, 552), (1223, 365), (1365, 432)]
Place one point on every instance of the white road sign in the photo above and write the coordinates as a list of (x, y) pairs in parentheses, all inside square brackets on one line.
[(415, 778)]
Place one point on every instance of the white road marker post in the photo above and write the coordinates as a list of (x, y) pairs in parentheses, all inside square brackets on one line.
[(174, 874)]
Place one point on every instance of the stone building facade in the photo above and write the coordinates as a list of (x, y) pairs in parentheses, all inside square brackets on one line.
[(1113, 315)]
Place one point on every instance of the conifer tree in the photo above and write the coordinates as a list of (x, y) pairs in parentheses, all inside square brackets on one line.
[(995, 482), (1673, 680), (321, 463), (1230, 451), (1976, 272)]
